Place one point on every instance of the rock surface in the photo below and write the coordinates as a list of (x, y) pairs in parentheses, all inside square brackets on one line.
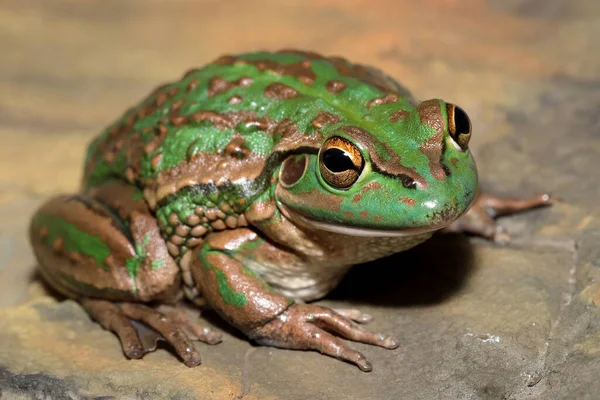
[(476, 320)]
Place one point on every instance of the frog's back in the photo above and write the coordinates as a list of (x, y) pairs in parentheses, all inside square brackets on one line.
[(223, 123)]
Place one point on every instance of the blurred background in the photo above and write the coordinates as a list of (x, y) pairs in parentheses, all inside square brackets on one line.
[(512, 323)]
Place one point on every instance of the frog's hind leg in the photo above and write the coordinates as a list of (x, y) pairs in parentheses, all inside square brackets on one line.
[(105, 249), (89, 248)]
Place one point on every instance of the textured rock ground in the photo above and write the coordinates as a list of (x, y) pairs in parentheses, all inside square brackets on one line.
[(477, 321)]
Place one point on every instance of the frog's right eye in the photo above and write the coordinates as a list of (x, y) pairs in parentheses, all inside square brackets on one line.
[(459, 126), (340, 162)]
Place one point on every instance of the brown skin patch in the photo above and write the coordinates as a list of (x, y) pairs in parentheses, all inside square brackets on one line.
[(156, 160), (279, 91), (408, 201), (221, 121), (373, 185), (430, 113), (192, 85), (348, 214), (219, 85), (324, 118), (364, 214), (57, 245), (387, 99), (176, 105), (334, 86), (223, 60), (261, 211), (392, 165), (398, 115), (357, 197)]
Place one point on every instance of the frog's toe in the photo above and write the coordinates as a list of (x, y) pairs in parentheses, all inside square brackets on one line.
[(354, 315), (333, 321), (108, 315), (497, 206)]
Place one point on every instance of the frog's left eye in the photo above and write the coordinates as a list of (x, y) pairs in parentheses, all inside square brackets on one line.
[(340, 162), (459, 126)]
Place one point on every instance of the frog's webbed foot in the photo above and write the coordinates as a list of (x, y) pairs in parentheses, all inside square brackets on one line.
[(480, 219), (308, 327), (136, 342)]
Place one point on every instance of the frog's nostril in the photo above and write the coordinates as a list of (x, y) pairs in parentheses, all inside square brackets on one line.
[(409, 183)]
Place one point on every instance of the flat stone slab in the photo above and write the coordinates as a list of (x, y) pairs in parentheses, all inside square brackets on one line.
[(475, 320)]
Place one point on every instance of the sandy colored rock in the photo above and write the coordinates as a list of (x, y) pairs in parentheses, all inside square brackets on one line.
[(476, 321)]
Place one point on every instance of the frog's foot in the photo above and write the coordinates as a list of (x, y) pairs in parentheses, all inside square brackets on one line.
[(116, 317), (480, 219), (307, 327), (188, 318)]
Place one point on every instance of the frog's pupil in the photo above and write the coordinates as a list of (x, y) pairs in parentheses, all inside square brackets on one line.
[(461, 121), (337, 160)]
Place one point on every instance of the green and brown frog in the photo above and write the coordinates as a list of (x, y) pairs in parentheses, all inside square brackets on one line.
[(251, 186)]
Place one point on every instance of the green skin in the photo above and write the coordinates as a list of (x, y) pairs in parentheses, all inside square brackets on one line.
[(149, 182)]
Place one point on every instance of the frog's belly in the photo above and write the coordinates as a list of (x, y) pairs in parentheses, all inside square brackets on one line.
[(310, 278)]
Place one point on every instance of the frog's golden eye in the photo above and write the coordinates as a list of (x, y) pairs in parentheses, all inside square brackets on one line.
[(340, 162), (459, 126)]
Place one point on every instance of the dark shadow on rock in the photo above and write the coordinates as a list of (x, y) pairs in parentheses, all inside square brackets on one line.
[(425, 275)]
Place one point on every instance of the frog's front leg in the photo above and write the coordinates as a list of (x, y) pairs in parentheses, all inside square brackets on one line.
[(104, 249), (480, 219), (221, 270)]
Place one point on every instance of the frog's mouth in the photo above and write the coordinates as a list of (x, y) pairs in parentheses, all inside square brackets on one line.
[(349, 230)]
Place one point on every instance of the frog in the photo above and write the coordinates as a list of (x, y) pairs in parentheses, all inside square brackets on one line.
[(249, 187)]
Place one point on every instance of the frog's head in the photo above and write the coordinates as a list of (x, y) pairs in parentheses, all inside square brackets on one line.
[(414, 174)]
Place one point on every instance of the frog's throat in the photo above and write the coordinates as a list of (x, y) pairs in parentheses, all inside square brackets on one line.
[(356, 231)]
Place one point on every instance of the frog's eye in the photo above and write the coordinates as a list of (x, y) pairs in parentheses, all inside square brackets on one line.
[(340, 162), (459, 126)]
